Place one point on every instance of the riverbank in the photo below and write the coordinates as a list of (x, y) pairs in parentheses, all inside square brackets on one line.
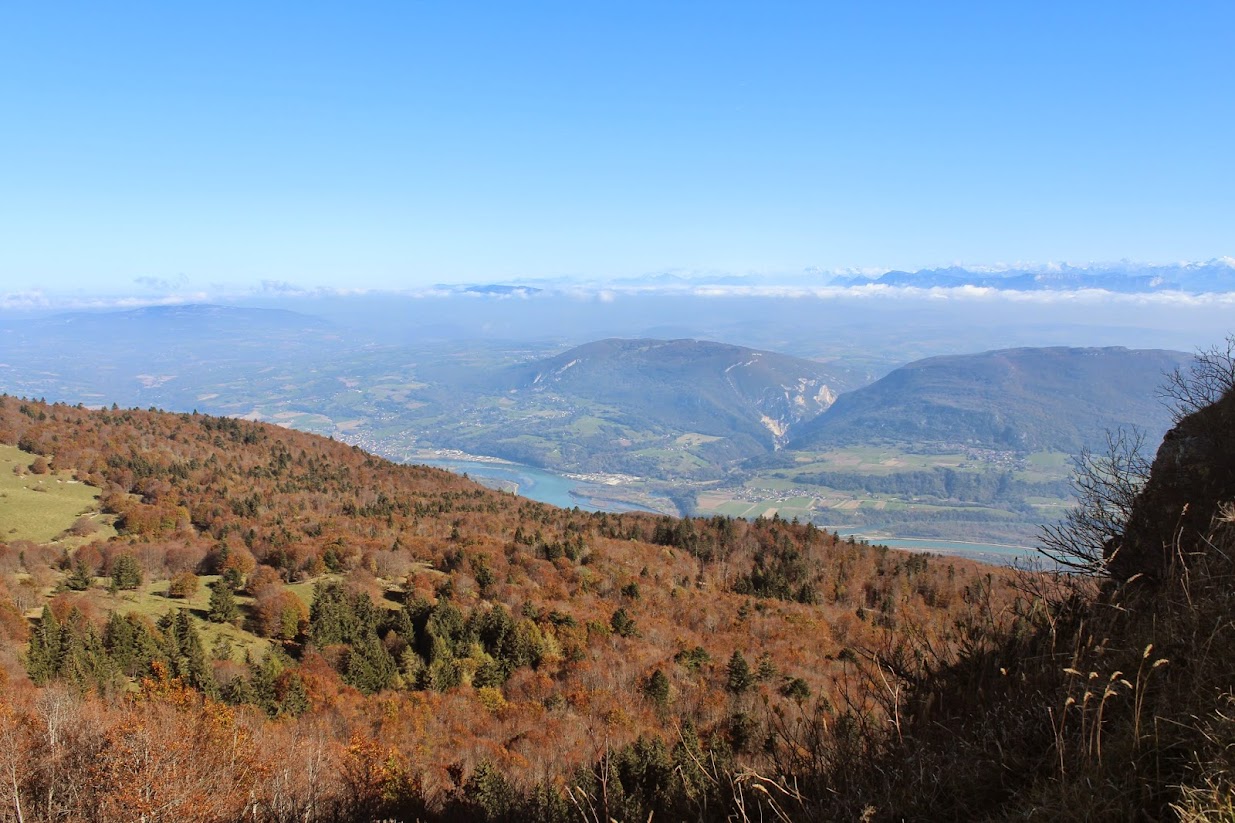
[(588, 492)]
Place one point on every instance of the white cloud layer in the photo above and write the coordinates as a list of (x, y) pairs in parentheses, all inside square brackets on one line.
[(1212, 281)]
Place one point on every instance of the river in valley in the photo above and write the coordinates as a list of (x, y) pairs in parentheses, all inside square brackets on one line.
[(537, 484), (567, 492)]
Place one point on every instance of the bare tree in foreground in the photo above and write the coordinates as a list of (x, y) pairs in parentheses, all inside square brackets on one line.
[(1106, 485)]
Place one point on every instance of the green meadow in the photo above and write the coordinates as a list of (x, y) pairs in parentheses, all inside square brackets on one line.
[(41, 507)]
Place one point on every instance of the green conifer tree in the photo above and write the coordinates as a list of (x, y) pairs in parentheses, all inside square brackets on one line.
[(186, 653), (223, 608), (263, 675), (738, 675), (656, 688), (43, 654), (238, 692), (370, 667), (126, 573), (80, 578), (488, 792), (293, 698), (765, 669), (623, 624), (130, 644), (83, 660)]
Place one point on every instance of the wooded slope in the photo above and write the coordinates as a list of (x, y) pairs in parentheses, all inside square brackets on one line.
[(406, 642)]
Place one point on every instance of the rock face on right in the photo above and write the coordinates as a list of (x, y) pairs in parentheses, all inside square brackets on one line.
[(1191, 481)]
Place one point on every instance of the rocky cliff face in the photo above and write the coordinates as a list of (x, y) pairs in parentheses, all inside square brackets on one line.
[(1192, 481), (782, 407)]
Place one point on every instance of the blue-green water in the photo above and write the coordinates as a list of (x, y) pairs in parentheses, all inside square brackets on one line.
[(990, 552), (537, 484)]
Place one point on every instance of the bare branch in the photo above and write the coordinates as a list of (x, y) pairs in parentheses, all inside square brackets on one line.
[(1205, 380), (1106, 486)]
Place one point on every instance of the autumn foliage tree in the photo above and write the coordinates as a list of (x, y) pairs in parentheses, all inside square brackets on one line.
[(184, 585)]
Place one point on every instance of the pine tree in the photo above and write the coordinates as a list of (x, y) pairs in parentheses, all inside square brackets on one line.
[(370, 667), (488, 792), (43, 655), (688, 759), (489, 673), (237, 691), (739, 678), (623, 624), (765, 669), (741, 728), (81, 658), (130, 644), (332, 617), (795, 689), (444, 673), (186, 652), (223, 608), (80, 579), (262, 678), (126, 573), (483, 574), (293, 698), (656, 688), (222, 648)]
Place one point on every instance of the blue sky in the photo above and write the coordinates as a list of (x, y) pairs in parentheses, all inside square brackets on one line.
[(163, 145)]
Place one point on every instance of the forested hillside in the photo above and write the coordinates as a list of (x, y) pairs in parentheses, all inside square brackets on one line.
[(1030, 399), (712, 402), (251, 621)]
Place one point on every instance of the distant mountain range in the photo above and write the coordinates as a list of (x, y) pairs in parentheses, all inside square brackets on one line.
[(1212, 276), (1124, 277), (1030, 399)]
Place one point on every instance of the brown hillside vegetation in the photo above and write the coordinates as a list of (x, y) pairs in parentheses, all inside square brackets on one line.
[(1116, 701), (387, 640)]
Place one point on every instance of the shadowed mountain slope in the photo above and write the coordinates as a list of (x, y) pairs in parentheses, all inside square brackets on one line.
[(1059, 399)]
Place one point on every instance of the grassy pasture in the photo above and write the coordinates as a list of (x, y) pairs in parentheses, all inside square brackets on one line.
[(39, 507), (151, 600), (587, 426), (694, 439), (874, 460)]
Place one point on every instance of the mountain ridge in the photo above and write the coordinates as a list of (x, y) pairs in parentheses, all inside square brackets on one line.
[(1216, 275), (1056, 398), (756, 379)]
